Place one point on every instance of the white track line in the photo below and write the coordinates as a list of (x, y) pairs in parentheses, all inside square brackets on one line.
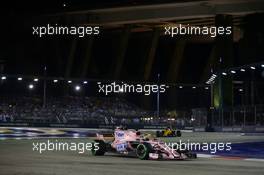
[(255, 160), (206, 156), (217, 156)]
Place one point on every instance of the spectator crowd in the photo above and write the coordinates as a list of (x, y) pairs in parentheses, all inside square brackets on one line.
[(66, 109)]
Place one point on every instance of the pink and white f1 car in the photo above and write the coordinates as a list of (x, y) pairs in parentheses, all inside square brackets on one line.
[(131, 142)]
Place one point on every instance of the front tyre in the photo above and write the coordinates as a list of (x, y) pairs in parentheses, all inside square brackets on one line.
[(98, 148), (143, 151)]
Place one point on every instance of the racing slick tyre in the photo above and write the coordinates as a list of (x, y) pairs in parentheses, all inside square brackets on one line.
[(188, 153), (192, 155), (101, 148), (143, 151), (178, 133)]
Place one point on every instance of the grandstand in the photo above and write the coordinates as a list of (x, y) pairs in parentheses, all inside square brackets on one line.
[(65, 109)]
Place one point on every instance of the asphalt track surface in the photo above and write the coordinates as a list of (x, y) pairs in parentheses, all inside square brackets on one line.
[(18, 158)]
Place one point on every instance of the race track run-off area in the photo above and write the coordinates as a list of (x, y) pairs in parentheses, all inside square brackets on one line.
[(18, 157)]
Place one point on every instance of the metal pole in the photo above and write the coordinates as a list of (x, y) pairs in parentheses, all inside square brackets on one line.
[(222, 118), (252, 88), (211, 121), (158, 100), (44, 87), (221, 101), (233, 117), (244, 117)]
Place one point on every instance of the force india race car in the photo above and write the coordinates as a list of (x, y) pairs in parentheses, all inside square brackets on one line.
[(131, 142)]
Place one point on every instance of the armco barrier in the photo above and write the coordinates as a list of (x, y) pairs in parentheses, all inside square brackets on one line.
[(246, 129)]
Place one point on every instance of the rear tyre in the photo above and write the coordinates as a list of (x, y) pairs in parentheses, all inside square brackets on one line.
[(191, 155), (143, 151), (178, 133), (194, 155), (98, 148)]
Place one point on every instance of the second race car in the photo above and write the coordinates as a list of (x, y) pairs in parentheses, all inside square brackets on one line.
[(168, 132)]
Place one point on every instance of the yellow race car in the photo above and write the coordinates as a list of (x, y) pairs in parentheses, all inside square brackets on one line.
[(168, 132)]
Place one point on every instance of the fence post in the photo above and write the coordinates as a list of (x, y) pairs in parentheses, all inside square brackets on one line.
[(233, 117), (222, 118), (244, 117)]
